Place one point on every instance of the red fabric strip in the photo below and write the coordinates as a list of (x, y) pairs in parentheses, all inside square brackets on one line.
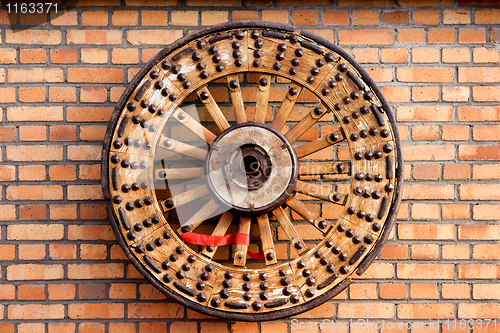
[(210, 240)]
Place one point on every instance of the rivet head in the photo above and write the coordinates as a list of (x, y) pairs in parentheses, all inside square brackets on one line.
[(363, 133), (233, 84), (298, 245), (292, 91), (329, 244), (310, 79), (295, 62), (270, 256), (215, 302), (176, 69), (368, 95), (277, 66), (200, 66), (369, 218), (186, 267), (336, 249), (264, 296), (341, 228), (342, 67), (361, 214), (191, 258), (165, 64), (154, 75), (263, 285), (228, 275), (181, 77), (213, 50), (169, 203), (200, 44), (138, 227), (314, 71), (226, 283), (324, 261), (165, 92), (309, 293), (330, 268), (384, 133), (173, 257), (246, 277), (306, 273), (280, 56), (285, 281), (325, 91), (165, 265), (256, 306), (125, 163), (332, 84), (378, 178), (257, 53), (339, 77), (344, 269), (337, 106), (299, 52), (292, 71), (179, 249), (263, 81), (336, 198), (387, 148), (201, 297), (200, 285), (301, 264), (282, 272), (334, 137), (236, 53), (343, 256), (376, 226), (282, 47), (263, 276), (368, 155), (320, 62), (239, 35), (329, 57), (368, 239), (287, 291), (369, 176), (204, 276), (389, 188), (346, 100), (354, 137), (351, 210), (258, 44), (224, 293), (318, 111), (125, 188), (255, 34), (167, 278), (131, 106), (247, 296), (294, 299), (139, 249), (256, 63), (209, 267), (310, 281), (117, 199), (376, 195), (322, 224), (293, 39), (204, 75), (246, 286), (150, 247), (356, 239)]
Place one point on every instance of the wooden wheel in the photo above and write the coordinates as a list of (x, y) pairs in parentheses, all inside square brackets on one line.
[(251, 170)]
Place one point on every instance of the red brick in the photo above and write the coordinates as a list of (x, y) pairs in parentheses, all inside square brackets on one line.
[(426, 311), (95, 310), (93, 94), (478, 271), (62, 133), (35, 311), (476, 35), (34, 75), (426, 132), (32, 212), (35, 272), (425, 113), (122, 291), (7, 134), (35, 113), (365, 17), (32, 95), (94, 56), (398, 55), (61, 55), (365, 55), (7, 56), (441, 36), (486, 93), (455, 211), (425, 252), (411, 36), (153, 37), (395, 17), (333, 17), (84, 153), (425, 74), (95, 75), (366, 36), (456, 55), (304, 17), (478, 310), (61, 291), (69, 18), (32, 251), (89, 171), (34, 192), (62, 94), (393, 291), (426, 17), (62, 172), (7, 212), (424, 291), (88, 114), (35, 231), (93, 212), (485, 212), (45, 37), (33, 56), (95, 271), (426, 171), (473, 153), (422, 211), (7, 172), (425, 271), (425, 55), (428, 152), (31, 292), (124, 17), (486, 251), (32, 133), (62, 251), (130, 328), (62, 212), (482, 113), (455, 132), (94, 18), (7, 95), (365, 310), (7, 291), (485, 171), (155, 310), (394, 251), (486, 291), (426, 231), (97, 37), (93, 251), (456, 16), (455, 251), (478, 74)]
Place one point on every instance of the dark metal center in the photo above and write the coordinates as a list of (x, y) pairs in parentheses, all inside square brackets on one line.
[(255, 164)]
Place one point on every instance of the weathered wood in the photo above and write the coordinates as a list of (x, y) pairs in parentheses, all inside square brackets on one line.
[(199, 217), (262, 98), (266, 237), (182, 148), (305, 123), (240, 253), (290, 230), (185, 197), (324, 192), (212, 108), (194, 126), (308, 214), (324, 168), (237, 99), (286, 106), (220, 230), (319, 144), (180, 173)]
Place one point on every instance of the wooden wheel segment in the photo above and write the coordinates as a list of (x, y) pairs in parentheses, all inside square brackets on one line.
[(252, 137)]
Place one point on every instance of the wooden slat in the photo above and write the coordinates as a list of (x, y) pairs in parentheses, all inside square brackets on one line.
[(182, 148), (307, 214), (262, 99), (213, 109), (240, 253), (285, 108), (304, 124), (289, 229), (181, 173), (321, 143), (199, 217), (185, 197), (237, 100), (194, 126), (266, 237), (220, 230), (323, 168), (324, 192)]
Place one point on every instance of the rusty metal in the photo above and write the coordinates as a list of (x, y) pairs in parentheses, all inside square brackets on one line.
[(200, 145)]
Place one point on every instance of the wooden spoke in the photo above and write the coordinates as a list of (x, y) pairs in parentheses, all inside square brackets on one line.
[(289, 230), (183, 198), (182, 148), (262, 98), (213, 108), (286, 106), (191, 124), (308, 214), (266, 237), (240, 253), (324, 192), (179, 173), (325, 168), (316, 145), (220, 230), (305, 123), (236, 99), (199, 217)]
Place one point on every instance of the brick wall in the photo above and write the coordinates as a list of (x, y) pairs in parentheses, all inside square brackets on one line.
[(437, 64)]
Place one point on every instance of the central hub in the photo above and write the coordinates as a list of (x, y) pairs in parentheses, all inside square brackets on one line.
[(251, 168)]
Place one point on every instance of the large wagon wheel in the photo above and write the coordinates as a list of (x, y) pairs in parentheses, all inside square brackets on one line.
[(251, 170)]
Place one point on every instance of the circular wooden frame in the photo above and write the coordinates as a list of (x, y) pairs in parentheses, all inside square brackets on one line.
[(169, 222)]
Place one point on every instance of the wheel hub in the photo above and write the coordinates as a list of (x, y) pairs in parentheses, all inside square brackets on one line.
[(251, 168)]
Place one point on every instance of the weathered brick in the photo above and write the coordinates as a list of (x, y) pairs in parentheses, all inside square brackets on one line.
[(366, 36), (474, 152), (95, 75), (35, 272), (428, 152), (425, 74), (35, 113), (153, 37), (34, 192), (34, 75), (426, 231), (97, 37), (45, 37), (35, 231), (425, 271), (426, 311)]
